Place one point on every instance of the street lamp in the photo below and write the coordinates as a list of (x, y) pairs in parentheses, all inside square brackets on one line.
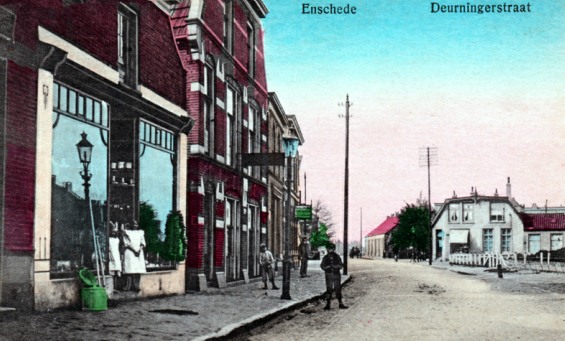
[(84, 148), (290, 146)]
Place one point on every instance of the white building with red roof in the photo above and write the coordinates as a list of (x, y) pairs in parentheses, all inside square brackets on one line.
[(378, 240)]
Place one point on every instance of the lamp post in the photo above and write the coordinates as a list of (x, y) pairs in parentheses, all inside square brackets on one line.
[(84, 148), (290, 144)]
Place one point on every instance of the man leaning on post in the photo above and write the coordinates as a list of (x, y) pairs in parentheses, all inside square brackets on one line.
[(332, 265), (303, 250)]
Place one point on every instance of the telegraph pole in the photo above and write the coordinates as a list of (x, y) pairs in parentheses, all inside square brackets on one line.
[(428, 157), (346, 185), (361, 233)]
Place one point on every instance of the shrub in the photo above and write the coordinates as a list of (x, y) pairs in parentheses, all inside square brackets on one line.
[(174, 246)]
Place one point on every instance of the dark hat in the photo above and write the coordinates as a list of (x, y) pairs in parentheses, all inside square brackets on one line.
[(331, 246)]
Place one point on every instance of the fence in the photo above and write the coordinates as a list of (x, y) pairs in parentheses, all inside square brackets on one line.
[(515, 261)]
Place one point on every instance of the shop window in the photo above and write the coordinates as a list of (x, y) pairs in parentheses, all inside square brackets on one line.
[(534, 243), (506, 240), (156, 177), (78, 207), (127, 45), (488, 239), (497, 212), (454, 214)]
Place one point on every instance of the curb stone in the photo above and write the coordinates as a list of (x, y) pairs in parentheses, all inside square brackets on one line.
[(237, 328)]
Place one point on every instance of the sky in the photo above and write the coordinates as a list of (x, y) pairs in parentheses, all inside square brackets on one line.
[(487, 90)]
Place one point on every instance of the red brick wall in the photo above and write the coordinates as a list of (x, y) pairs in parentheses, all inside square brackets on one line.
[(20, 159), (193, 74), (219, 247), (159, 66)]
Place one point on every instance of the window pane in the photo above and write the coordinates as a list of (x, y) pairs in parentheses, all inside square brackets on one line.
[(534, 243), (556, 242), (105, 114), (89, 109), (71, 230), (454, 212), (81, 105), (72, 101), (156, 182), (97, 113), (55, 95), (63, 99)]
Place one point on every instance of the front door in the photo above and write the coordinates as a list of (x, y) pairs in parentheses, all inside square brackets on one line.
[(233, 237)]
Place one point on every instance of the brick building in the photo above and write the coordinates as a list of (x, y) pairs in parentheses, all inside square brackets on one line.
[(281, 124), (117, 78), (221, 45)]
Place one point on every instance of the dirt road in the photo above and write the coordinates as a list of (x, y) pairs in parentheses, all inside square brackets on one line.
[(407, 301)]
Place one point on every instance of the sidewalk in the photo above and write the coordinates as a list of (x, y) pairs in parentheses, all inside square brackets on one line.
[(214, 314)]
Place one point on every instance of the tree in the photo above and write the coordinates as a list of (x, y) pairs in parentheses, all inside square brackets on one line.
[(412, 229), (320, 237), (174, 246), (148, 222), (321, 212), (323, 215)]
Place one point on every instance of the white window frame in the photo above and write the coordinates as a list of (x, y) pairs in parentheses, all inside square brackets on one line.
[(534, 246), (497, 212), (488, 240), (467, 216), (454, 216), (555, 241), (505, 240)]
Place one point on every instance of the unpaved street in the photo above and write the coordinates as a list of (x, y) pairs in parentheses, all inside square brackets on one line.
[(407, 301)]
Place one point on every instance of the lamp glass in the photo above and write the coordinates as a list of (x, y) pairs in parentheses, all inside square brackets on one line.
[(290, 145), (84, 148)]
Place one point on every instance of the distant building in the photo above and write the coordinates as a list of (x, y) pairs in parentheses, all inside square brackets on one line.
[(377, 242), (495, 225), (543, 231)]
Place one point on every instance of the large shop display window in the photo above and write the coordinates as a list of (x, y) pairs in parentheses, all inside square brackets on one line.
[(156, 174), (79, 188)]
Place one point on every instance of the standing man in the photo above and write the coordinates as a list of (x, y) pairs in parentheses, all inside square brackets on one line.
[(332, 265), (303, 250), (266, 261)]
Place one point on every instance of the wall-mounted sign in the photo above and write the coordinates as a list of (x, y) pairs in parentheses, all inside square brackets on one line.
[(303, 212)]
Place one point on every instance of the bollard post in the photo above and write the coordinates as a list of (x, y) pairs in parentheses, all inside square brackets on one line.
[(499, 270)]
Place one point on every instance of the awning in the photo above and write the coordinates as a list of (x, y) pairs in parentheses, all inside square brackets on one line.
[(458, 236)]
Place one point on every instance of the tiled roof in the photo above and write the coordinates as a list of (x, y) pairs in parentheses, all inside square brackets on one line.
[(384, 227), (543, 221)]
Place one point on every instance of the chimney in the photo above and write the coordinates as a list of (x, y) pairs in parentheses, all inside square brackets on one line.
[(472, 190), (496, 192), (68, 186), (454, 195), (508, 189)]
